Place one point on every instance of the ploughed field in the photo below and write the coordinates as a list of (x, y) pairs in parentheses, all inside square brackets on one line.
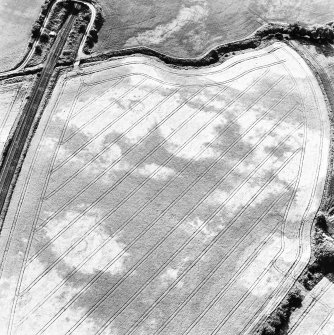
[(159, 200)]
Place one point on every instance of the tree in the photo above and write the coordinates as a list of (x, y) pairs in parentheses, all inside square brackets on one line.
[(302, 31), (86, 17), (294, 29), (324, 253), (328, 34), (89, 42), (82, 28), (44, 38), (295, 298), (268, 330), (93, 34), (38, 50), (99, 20), (321, 222), (36, 28)]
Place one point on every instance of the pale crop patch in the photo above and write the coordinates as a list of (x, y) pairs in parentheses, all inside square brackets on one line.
[(87, 246), (252, 273), (162, 173), (170, 274), (192, 14)]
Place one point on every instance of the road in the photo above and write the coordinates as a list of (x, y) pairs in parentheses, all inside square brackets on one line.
[(80, 53), (18, 141)]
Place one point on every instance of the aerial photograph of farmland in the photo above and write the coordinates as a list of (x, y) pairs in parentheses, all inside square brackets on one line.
[(167, 167)]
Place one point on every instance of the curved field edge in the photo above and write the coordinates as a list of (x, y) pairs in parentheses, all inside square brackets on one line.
[(320, 60), (283, 305), (268, 307)]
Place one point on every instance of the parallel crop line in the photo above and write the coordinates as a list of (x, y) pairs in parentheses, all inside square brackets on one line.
[(177, 72), (309, 308), (148, 178), (5, 118), (192, 237), (106, 91), (23, 193), (119, 117), (149, 201), (264, 272), (221, 294), (162, 214), (113, 210), (132, 88), (115, 162), (324, 323), (217, 84), (247, 262), (92, 182), (113, 142), (157, 301), (228, 254), (168, 159), (301, 228)]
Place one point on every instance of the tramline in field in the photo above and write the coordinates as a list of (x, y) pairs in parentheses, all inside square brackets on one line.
[(159, 200)]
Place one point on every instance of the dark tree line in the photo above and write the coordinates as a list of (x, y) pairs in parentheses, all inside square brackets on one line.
[(279, 319), (322, 34)]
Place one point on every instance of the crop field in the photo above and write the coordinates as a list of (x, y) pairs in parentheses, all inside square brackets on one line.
[(13, 95), (188, 28), (16, 20), (159, 200), (316, 317)]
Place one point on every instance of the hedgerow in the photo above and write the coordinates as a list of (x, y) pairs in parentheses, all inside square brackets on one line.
[(317, 33), (279, 319)]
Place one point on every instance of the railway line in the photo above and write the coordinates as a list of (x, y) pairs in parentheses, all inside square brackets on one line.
[(17, 143)]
